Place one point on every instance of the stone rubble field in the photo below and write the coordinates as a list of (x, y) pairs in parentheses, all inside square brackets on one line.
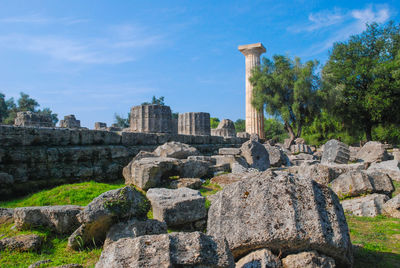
[(277, 205)]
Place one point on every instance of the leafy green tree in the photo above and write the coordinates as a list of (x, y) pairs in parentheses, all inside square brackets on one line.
[(240, 125), (3, 107), (274, 130), (288, 90), (48, 112), (156, 101), (25, 103), (121, 121), (214, 121), (361, 80)]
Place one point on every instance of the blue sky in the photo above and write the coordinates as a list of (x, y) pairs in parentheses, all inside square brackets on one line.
[(96, 58)]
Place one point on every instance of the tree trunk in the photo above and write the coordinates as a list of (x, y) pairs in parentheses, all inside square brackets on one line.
[(289, 129), (368, 132)]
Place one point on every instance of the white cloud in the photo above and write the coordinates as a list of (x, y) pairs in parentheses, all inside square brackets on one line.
[(320, 20), (342, 25), (118, 45)]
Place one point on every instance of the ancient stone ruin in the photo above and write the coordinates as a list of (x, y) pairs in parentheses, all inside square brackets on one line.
[(100, 125), (151, 119), (194, 124), (70, 122), (226, 128), (32, 119)]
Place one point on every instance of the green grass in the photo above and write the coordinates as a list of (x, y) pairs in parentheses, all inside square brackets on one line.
[(69, 194), (377, 241)]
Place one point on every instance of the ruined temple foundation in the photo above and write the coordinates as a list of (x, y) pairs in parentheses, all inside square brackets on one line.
[(254, 117), (194, 124), (151, 119)]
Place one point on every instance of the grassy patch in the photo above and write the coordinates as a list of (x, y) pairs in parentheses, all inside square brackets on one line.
[(377, 241), (396, 187), (209, 188), (54, 248), (79, 194)]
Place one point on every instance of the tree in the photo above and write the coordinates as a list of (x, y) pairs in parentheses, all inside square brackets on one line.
[(288, 90), (3, 107), (25, 103), (214, 121), (361, 80), (48, 112), (240, 125), (274, 130), (121, 121), (155, 101)]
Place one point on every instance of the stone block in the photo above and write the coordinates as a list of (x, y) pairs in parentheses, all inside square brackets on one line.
[(335, 152), (194, 124), (151, 119), (366, 206)]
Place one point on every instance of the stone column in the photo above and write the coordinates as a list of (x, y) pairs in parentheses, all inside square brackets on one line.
[(194, 124), (151, 119), (254, 117)]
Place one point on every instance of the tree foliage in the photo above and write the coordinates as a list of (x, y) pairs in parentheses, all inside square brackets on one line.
[(9, 109), (361, 80), (214, 121), (155, 101), (240, 125), (122, 122), (288, 90), (274, 130)]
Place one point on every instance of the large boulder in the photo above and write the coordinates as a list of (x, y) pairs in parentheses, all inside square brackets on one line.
[(104, 211), (259, 258), (255, 154), (335, 152), (180, 208), (308, 259), (277, 157), (61, 219), (392, 207), (6, 215), (373, 151), (30, 242), (390, 167), (193, 168), (150, 172), (167, 250), (175, 149), (366, 206), (324, 174), (134, 228), (229, 151), (192, 183), (356, 183), (283, 213)]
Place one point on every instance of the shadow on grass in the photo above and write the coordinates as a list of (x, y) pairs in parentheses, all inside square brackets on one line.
[(374, 259)]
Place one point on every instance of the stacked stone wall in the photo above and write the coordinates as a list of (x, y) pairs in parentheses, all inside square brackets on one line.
[(194, 124), (34, 158)]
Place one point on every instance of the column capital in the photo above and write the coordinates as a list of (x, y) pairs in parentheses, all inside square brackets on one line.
[(256, 49)]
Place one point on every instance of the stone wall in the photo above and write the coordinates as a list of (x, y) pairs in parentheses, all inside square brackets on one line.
[(35, 158)]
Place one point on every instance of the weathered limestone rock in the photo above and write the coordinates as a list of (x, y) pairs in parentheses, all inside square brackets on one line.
[(356, 183), (244, 135), (100, 214), (392, 207), (229, 151), (194, 124), (32, 119), (6, 215), (226, 179), (282, 213), (300, 148), (193, 168), (256, 155), (391, 168), (353, 153), (254, 117), (175, 150), (192, 183), (366, 206), (61, 219), (134, 228), (324, 174), (150, 172), (151, 119), (299, 159), (260, 258), (100, 126), (6, 178), (70, 122), (177, 207), (335, 152), (30, 242), (373, 151), (309, 259), (226, 128), (167, 250), (277, 158)]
